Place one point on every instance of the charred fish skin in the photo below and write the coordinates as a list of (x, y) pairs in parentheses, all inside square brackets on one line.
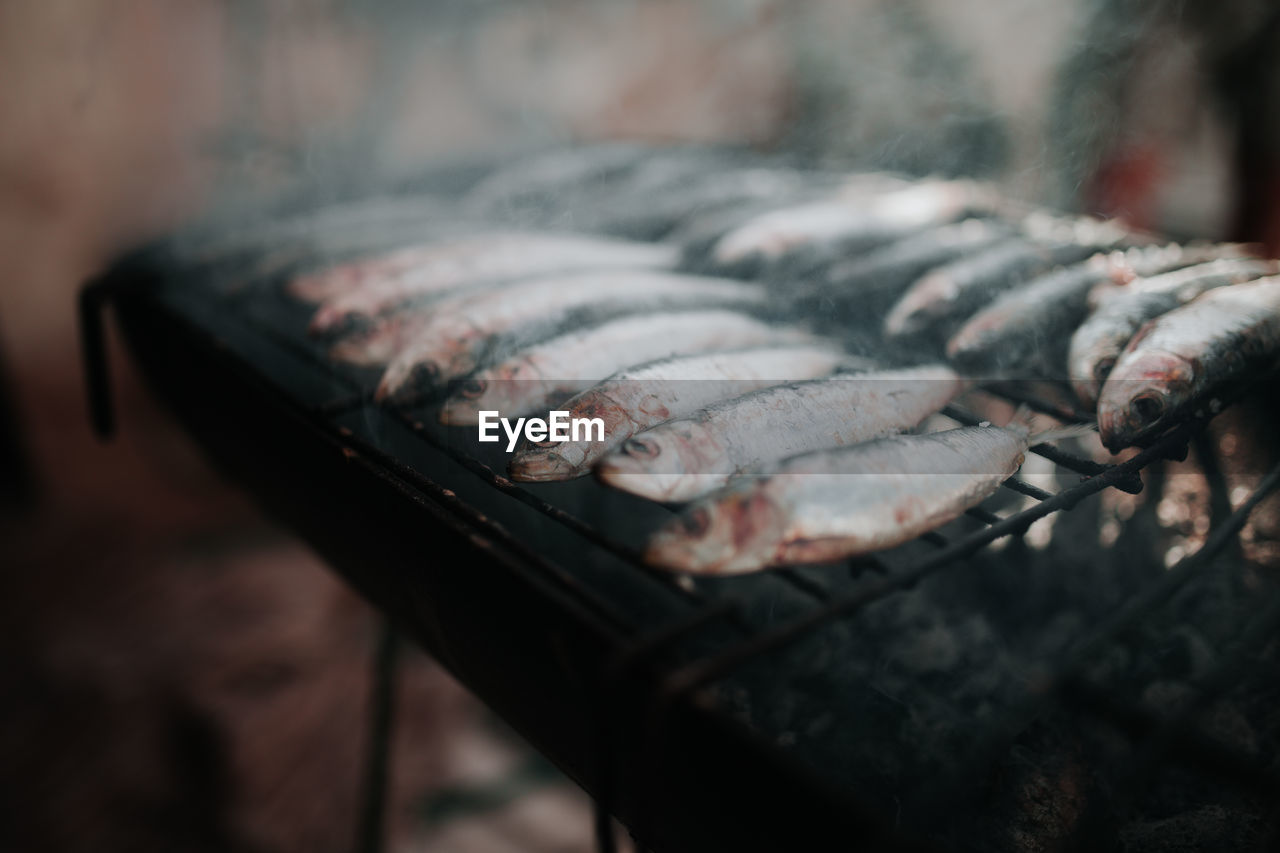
[(1021, 330), (602, 205), (1183, 358), (840, 502), (1118, 314), (471, 261), (547, 373), (532, 179), (378, 344), (1014, 332), (634, 400), (950, 294), (895, 265), (470, 331), (655, 213), (856, 217), (685, 458)]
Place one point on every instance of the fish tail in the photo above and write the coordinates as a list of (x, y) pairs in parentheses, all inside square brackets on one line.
[(1062, 433), (1025, 419)]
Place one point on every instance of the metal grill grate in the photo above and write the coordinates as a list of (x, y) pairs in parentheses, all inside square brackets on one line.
[(708, 631)]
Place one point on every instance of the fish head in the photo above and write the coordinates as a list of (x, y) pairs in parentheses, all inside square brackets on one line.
[(1093, 354), (1141, 396), (678, 462), (404, 374), (336, 318), (549, 461), (372, 346), (737, 530), (472, 395)]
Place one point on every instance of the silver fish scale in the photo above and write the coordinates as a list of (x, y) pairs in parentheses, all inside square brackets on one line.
[(1114, 322), (1222, 331), (886, 491), (790, 419)]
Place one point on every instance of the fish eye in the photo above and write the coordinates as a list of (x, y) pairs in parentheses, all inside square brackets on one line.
[(424, 373), (472, 389), (1147, 407), (697, 521), (642, 448)]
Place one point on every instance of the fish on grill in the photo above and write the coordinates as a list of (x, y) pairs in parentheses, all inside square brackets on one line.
[(682, 459), (467, 331), (429, 270), (379, 342), (953, 292), (1026, 329), (641, 397), (860, 217), (338, 280), (547, 373), (1181, 359), (315, 249), (654, 213), (889, 268), (537, 176), (1119, 312), (841, 502)]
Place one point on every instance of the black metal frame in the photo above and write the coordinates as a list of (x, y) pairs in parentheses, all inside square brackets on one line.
[(615, 700)]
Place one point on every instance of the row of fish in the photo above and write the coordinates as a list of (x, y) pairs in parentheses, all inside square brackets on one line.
[(1040, 297), (733, 394), (789, 448)]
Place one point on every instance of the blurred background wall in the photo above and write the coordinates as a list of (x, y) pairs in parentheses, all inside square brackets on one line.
[(182, 674)]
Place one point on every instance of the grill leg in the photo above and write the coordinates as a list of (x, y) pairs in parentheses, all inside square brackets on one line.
[(371, 834), (17, 481)]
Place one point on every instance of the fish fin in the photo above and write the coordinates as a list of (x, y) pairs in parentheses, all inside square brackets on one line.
[(1025, 418), (1062, 433)]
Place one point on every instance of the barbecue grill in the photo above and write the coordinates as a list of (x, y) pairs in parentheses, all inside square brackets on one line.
[(773, 711)]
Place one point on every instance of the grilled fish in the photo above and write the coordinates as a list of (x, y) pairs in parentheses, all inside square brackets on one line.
[(382, 340), (549, 372), (641, 397), (1182, 358), (545, 173), (876, 217), (1022, 328), (434, 269), (490, 323), (841, 502), (335, 281), (1118, 313), (682, 459), (891, 267), (654, 213), (952, 292)]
